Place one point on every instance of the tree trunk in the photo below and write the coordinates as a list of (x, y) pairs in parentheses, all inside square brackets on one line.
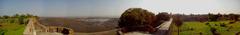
[(178, 30)]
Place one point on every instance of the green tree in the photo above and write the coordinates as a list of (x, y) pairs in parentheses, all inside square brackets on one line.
[(5, 16), (136, 19), (163, 16), (21, 20), (16, 16), (160, 18), (29, 15)]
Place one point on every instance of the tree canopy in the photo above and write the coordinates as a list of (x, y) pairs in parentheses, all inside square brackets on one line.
[(136, 19)]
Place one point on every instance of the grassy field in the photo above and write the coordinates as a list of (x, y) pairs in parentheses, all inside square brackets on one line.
[(205, 28), (193, 28), (11, 27)]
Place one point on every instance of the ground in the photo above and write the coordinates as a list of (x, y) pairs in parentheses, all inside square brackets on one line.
[(204, 28)]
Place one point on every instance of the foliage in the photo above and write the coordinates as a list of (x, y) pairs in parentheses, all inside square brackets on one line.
[(18, 19), (160, 18), (14, 24), (2, 32), (177, 20), (136, 19), (212, 17), (218, 17), (163, 16), (234, 17)]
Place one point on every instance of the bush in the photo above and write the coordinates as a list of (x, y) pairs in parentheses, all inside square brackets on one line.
[(1, 32)]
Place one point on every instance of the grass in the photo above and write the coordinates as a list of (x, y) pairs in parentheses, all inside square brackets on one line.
[(12, 29), (194, 28), (202, 28), (229, 29), (173, 29), (11, 26)]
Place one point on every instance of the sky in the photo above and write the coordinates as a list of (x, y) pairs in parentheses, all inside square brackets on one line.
[(109, 8)]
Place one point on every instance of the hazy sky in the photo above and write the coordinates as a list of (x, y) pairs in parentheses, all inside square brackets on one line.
[(61, 8)]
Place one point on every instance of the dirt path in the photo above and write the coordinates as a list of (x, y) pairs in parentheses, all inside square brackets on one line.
[(30, 28), (165, 25), (164, 28), (34, 28)]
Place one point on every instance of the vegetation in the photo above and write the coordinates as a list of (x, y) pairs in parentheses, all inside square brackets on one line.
[(160, 18), (218, 24), (178, 22), (209, 28), (13, 24), (194, 28), (163, 16), (136, 19)]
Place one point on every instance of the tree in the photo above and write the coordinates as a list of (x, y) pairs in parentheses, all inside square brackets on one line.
[(136, 19), (29, 15), (5, 16), (163, 16), (21, 20), (202, 18), (234, 17), (16, 16), (212, 17), (1, 17), (178, 21), (160, 18)]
